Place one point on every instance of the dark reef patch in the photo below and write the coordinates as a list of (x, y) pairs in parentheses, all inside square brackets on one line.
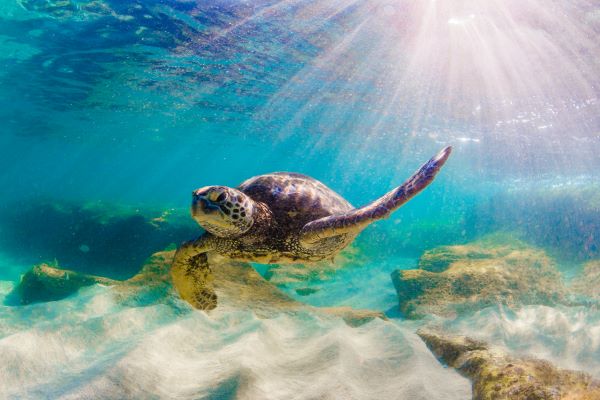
[(95, 239)]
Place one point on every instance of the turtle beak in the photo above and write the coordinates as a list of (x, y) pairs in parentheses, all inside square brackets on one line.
[(201, 204), (197, 203)]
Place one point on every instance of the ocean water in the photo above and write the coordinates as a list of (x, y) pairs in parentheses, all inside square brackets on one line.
[(112, 112)]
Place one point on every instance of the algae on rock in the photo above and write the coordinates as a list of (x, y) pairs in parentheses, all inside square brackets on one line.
[(47, 283), (237, 285), (93, 238), (588, 283), (498, 376), (455, 279)]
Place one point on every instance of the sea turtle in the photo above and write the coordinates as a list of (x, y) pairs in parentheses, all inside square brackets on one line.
[(280, 217)]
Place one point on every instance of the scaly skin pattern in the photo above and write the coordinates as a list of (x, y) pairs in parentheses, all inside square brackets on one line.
[(270, 242)]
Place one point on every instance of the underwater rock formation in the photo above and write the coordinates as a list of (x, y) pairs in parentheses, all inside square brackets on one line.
[(454, 279), (588, 283), (47, 283), (152, 284), (498, 376), (56, 9), (89, 237), (440, 258), (238, 287)]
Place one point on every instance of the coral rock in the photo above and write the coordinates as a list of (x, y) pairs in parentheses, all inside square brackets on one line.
[(454, 279), (46, 283), (498, 376), (237, 285), (588, 284)]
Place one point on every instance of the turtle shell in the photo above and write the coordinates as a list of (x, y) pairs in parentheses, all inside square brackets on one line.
[(294, 199)]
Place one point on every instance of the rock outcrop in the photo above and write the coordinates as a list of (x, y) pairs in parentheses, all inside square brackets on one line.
[(92, 238), (455, 279), (238, 286), (587, 284), (498, 376), (47, 283)]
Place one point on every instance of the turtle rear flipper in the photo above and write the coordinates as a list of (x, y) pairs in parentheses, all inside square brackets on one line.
[(356, 220)]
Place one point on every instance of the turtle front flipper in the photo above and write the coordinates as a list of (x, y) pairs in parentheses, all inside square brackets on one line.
[(352, 222), (192, 276)]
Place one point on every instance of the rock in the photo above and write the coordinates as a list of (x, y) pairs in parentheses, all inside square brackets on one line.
[(498, 376), (237, 285), (588, 283), (92, 238), (47, 283), (440, 258), (352, 316), (151, 284), (455, 279), (56, 9)]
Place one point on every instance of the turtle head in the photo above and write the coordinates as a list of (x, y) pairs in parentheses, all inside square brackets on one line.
[(223, 211)]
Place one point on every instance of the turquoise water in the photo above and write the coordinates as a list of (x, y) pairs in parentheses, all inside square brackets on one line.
[(113, 112)]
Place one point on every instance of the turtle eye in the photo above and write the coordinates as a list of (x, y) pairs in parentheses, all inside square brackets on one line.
[(216, 196), (221, 197)]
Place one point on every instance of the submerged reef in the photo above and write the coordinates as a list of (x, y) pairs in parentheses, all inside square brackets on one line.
[(587, 284), (498, 376), (93, 238), (455, 279), (237, 285), (47, 283)]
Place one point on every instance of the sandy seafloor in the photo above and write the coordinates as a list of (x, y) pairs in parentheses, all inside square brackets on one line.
[(88, 346)]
